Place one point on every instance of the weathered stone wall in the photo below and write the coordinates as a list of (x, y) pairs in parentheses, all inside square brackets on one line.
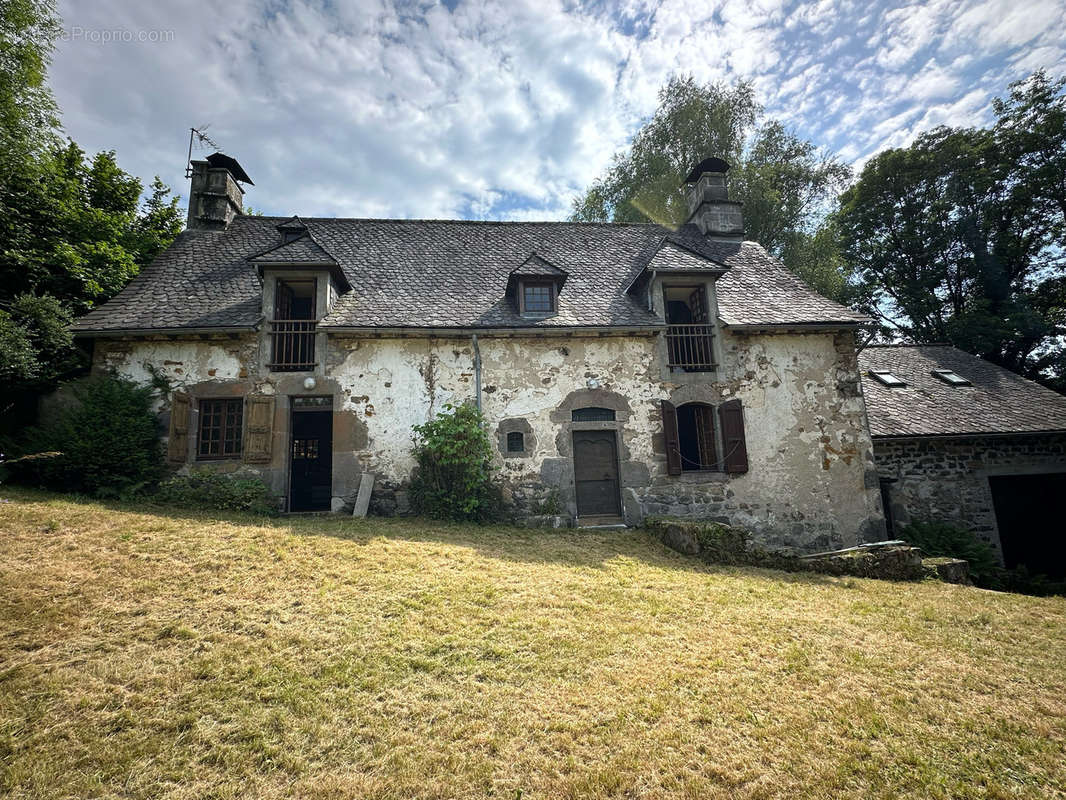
[(230, 366), (810, 484), (946, 480)]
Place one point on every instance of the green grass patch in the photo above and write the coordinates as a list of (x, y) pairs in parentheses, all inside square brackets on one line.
[(148, 652)]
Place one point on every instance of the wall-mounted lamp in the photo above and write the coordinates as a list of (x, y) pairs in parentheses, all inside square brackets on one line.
[(309, 383)]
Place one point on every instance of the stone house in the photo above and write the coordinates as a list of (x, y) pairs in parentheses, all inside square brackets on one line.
[(960, 440), (623, 369)]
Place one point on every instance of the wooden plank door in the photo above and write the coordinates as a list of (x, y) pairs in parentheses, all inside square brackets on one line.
[(596, 473)]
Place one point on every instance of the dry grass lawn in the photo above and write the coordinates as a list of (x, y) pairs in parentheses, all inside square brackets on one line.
[(146, 653)]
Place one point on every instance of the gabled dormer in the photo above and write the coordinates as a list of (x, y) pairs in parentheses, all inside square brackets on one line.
[(534, 287), (291, 229), (301, 281), (297, 250), (678, 284)]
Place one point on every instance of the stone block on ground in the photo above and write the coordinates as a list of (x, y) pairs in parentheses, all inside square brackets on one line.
[(362, 499), (680, 539), (949, 570)]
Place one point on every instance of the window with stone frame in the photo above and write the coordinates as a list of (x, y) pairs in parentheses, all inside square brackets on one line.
[(700, 437), (221, 429)]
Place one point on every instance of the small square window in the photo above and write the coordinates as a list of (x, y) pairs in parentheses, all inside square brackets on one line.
[(516, 442), (538, 298), (950, 376), (886, 378)]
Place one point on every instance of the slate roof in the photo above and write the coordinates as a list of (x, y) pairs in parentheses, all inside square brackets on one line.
[(759, 291), (535, 265), (440, 274), (673, 258), (303, 250), (998, 401)]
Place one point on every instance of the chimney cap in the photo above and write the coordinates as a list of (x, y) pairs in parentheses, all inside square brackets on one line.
[(225, 162), (712, 164)]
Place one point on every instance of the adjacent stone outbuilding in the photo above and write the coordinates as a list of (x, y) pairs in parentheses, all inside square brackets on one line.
[(960, 440)]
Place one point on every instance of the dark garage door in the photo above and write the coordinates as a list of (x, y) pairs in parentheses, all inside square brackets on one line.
[(1029, 511)]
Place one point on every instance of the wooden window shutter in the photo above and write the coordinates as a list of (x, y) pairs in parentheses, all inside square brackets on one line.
[(731, 416), (259, 428), (673, 448), (178, 438)]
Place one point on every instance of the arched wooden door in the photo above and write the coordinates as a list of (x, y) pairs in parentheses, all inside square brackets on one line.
[(596, 473)]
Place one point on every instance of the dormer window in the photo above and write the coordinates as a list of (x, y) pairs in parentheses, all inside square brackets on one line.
[(534, 286), (291, 229), (293, 326), (538, 297)]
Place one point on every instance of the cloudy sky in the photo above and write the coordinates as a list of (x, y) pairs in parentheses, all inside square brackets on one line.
[(507, 109)]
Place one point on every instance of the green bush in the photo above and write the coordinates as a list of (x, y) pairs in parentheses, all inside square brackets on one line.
[(941, 539), (453, 476), (214, 491), (107, 437)]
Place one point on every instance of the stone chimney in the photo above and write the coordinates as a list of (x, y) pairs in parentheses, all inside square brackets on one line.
[(709, 206), (215, 196)]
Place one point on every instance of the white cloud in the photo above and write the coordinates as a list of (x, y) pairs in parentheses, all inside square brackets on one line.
[(508, 108)]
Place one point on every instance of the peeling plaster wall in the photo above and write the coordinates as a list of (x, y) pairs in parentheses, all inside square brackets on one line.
[(810, 484), (811, 481), (396, 383), (181, 363)]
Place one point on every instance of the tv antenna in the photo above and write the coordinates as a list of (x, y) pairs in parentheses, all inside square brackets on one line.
[(199, 135)]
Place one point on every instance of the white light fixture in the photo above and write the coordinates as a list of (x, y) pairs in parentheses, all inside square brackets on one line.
[(309, 383), (592, 383)]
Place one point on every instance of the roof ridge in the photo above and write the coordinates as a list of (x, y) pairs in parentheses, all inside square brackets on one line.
[(916, 344), (270, 218)]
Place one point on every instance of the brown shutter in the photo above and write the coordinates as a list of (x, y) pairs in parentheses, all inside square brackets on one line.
[(178, 439), (259, 428), (731, 415), (673, 450)]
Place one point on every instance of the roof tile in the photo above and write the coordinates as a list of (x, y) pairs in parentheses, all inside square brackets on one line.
[(429, 273), (997, 401)]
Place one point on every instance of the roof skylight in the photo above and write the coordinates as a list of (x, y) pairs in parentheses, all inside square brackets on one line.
[(950, 376), (886, 378)]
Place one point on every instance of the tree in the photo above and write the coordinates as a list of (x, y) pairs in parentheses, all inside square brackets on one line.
[(73, 231), (784, 182), (28, 29), (36, 346), (959, 237), (106, 437)]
